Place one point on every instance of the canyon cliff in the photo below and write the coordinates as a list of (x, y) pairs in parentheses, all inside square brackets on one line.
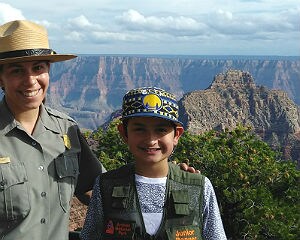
[(90, 88), (234, 99)]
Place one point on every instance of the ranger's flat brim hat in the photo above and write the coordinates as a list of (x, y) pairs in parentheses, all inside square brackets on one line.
[(150, 102), (22, 40)]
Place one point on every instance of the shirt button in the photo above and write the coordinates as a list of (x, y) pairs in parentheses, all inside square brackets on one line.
[(2, 184), (43, 221), (33, 143), (43, 194), (41, 168)]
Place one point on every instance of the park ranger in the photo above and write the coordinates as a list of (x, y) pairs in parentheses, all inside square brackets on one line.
[(44, 159)]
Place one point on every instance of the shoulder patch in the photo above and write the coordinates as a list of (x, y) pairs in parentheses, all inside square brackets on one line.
[(179, 175)]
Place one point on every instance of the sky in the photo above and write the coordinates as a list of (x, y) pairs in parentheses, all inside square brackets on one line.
[(164, 27)]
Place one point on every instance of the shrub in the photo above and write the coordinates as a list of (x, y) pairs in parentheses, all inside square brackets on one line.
[(258, 193)]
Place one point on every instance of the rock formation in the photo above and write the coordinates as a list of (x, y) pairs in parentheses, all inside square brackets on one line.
[(233, 99)]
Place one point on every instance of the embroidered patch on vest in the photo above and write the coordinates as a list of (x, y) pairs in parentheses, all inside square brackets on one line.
[(184, 233), (120, 229), (110, 229)]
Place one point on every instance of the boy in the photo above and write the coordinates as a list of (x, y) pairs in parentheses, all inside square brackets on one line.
[(152, 199)]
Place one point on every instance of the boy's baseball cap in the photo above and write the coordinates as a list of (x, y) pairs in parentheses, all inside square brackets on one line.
[(150, 102)]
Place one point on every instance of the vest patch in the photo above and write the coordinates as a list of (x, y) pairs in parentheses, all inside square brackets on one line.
[(120, 229), (184, 233)]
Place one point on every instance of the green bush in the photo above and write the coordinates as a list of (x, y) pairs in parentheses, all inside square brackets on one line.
[(111, 150), (258, 193)]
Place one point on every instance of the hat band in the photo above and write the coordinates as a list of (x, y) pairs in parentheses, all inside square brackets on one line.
[(27, 53)]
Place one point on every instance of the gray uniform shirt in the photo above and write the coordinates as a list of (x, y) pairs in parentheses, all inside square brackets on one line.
[(39, 174)]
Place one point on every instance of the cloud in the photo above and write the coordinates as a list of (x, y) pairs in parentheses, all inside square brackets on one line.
[(253, 25), (75, 36), (216, 26), (115, 37), (82, 23), (81, 29), (174, 25), (188, 26), (9, 13)]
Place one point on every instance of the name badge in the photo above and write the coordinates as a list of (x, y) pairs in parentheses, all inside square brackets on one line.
[(4, 160)]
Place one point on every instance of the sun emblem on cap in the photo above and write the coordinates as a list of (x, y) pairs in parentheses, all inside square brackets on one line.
[(152, 102)]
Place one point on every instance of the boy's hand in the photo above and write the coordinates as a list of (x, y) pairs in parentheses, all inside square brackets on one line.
[(187, 168)]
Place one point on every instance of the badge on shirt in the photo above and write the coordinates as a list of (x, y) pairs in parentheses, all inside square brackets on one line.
[(120, 229), (4, 160), (67, 141)]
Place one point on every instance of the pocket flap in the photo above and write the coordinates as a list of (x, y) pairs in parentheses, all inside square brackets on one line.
[(180, 196), (120, 196), (181, 201), (12, 174), (67, 165), (182, 209), (120, 191)]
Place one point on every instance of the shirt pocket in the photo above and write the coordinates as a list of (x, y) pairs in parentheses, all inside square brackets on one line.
[(67, 169), (14, 195), (181, 201)]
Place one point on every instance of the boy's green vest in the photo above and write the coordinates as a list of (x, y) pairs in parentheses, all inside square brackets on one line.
[(182, 217)]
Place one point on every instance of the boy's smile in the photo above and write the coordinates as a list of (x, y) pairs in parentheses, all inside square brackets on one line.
[(150, 150)]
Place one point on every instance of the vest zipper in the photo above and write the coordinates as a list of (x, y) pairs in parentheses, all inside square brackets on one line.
[(161, 229), (143, 230)]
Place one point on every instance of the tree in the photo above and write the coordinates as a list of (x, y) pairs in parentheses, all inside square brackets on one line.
[(257, 192), (110, 147)]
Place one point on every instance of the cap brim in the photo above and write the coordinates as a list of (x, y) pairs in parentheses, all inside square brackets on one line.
[(50, 58)]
